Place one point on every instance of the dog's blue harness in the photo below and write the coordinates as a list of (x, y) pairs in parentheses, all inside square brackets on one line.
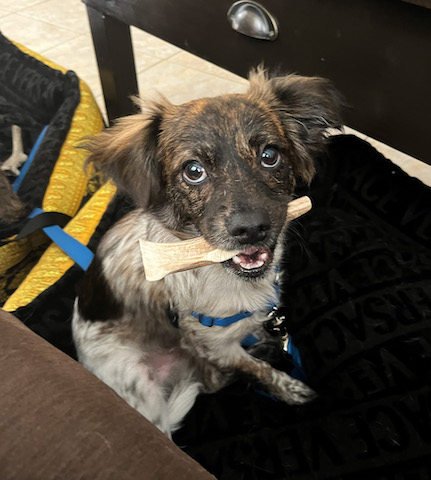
[(207, 321)]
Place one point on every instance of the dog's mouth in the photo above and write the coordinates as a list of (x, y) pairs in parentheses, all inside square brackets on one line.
[(252, 262)]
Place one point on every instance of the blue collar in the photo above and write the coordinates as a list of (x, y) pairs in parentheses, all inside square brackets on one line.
[(208, 321)]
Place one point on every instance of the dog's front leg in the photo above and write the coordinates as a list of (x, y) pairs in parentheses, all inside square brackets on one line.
[(217, 347), (275, 382)]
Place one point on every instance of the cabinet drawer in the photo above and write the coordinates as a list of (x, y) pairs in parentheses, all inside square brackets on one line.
[(376, 53)]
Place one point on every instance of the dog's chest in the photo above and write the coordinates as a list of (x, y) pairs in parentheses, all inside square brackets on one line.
[(213, 291)]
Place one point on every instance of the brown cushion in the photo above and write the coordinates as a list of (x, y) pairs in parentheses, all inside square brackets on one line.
[(422, 3), (59, 421)]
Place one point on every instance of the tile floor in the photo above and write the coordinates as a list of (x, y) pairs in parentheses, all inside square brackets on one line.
[(59, 30)]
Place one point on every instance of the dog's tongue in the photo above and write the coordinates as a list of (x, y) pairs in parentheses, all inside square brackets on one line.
[(251, 258)]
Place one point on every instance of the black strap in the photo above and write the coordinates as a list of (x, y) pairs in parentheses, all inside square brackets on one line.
[(41, 221)]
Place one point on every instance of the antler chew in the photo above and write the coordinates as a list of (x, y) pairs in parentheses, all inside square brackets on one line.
[(161, 259)]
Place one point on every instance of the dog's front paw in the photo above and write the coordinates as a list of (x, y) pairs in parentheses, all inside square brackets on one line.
[(297, 393)]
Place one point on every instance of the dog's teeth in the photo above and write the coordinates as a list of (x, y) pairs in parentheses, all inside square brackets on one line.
[(251, 259), (250, 266), (236, 260), (246, 267)]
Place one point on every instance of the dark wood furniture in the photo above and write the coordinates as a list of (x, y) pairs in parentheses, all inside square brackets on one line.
[(378, 54)]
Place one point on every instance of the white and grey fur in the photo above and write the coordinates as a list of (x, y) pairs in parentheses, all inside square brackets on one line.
[(133, 347)]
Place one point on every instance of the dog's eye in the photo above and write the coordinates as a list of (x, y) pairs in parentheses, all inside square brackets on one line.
[(194, 173), (270, 157)]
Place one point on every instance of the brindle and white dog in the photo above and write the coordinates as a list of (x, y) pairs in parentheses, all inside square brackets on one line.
[(223, 168)]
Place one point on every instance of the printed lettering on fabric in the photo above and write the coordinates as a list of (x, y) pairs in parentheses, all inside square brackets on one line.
[(343, 331), (357, 288), (362, 288), (372, 430)]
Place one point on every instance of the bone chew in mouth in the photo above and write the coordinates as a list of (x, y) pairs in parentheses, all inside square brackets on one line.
[(161, 259)]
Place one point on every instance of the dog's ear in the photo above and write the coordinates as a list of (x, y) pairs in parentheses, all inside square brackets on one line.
[(128, 154), (306, 107)]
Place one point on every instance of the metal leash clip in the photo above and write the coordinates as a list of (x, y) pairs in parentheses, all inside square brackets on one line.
[(276, 326)]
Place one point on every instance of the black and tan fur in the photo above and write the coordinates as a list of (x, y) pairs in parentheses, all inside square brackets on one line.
[(121, 324), (11, 207)]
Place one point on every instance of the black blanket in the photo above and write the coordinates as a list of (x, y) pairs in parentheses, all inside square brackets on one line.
[(358, 292)]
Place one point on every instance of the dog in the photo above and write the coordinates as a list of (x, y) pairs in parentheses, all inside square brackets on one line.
[(223, 168)]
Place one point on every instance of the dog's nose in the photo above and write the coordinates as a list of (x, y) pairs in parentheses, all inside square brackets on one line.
[(250, 226)]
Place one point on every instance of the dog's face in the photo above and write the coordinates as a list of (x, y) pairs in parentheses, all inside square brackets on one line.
[(227, 172), (224, 167)]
